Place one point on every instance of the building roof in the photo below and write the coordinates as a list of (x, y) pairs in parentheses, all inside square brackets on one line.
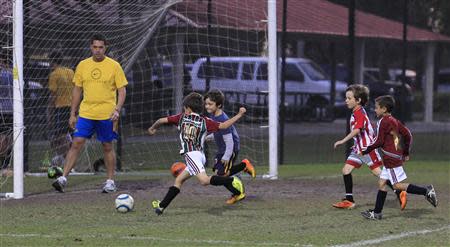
[(310, 17), (318, 17)]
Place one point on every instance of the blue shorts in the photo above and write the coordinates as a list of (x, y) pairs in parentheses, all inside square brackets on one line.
[(103, 128)]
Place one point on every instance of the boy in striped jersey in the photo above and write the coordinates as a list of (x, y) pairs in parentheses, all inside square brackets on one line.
[(193, 128), (394, 141), (362, 133)]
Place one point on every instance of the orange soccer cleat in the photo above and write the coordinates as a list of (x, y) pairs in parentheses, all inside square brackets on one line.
[(249, 168), (345, 204), (235, 198), (403, 200)]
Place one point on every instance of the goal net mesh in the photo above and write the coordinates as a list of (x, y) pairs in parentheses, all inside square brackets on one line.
[(157, 42)]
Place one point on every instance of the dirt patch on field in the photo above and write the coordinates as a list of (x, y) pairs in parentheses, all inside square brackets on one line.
[(258, 189)]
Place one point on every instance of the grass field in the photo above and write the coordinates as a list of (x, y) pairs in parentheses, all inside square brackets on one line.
[(294, 210)]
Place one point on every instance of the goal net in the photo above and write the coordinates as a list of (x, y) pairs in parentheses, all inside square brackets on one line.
[(167, 48)]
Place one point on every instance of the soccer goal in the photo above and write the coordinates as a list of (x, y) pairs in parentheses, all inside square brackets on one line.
[(168, 48)]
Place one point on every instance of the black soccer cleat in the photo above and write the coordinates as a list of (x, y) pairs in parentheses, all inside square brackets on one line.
[(431, 195), (371, 215), (58, 186)]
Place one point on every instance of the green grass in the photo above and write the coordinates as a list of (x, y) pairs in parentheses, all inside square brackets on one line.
[(294, 210)]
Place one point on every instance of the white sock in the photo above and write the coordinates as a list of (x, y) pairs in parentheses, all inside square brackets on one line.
[(62, 179)]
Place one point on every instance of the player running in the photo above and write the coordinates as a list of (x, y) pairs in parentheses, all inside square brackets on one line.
[(362, 133), (394, 141), (193, 128)]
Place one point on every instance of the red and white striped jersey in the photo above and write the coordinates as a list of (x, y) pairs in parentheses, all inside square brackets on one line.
[(193, 129), (360, 120)]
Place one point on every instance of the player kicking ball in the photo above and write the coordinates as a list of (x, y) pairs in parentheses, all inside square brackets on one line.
[(362, 134), (394, 141), (193, 128), (227, 141)]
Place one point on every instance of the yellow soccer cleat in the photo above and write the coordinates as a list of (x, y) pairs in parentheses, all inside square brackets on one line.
[(158, 210)]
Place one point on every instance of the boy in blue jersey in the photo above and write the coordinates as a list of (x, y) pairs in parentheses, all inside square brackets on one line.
[(227, 140), (193, 128)]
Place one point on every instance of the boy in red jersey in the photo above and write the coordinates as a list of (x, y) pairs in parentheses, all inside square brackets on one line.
[(193, 128), (362, 134), (394, 141)]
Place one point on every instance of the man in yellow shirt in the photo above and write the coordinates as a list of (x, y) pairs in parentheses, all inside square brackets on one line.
[(60, 86), (98, 78)]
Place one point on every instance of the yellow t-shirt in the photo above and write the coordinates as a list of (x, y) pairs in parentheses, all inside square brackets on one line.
[(60, 83), (100, 81)]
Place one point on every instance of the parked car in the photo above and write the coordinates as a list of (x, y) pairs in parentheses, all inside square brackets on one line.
[(443, 80), (244, 80)]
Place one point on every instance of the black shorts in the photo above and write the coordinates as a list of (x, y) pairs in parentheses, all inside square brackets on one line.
[(6, 123), (61, 118), (224, 168)]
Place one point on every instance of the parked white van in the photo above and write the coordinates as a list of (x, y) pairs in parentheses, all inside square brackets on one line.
[(244, 80)]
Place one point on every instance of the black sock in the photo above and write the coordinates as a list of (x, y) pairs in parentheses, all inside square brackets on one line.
[(225, 181), (237, 168), (397, 192), (348, 182), (171, 194), (414, 189), (381, 197)]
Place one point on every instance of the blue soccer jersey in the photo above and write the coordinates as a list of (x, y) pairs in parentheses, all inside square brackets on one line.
[(218, 136)]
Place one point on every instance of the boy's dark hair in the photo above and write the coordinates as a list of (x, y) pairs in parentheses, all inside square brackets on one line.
[(215, 95), (56, 57), (194, 101), (100, 37), (386, 101), (360, 92)]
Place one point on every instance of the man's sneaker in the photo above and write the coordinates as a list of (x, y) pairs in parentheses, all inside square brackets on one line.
[(237, 184), (235, 198), (371, 215), (346, 204), (158, 210), (59, 184), (431, 195), (402, 199), (109, 186), (249, 168)]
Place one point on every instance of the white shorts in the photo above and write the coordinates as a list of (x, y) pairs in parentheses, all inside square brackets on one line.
[(395, 175), (372, 159), (195, 162)]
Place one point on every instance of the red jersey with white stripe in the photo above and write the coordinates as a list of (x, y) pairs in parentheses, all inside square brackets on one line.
[(360, 120), (394, 141), (193, 130)]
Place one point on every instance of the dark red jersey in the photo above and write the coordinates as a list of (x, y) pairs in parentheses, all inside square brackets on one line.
[(193, 130), (394, 141)]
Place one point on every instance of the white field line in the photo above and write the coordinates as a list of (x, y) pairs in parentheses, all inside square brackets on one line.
[(226, 242), (392, 237), (151, 238)]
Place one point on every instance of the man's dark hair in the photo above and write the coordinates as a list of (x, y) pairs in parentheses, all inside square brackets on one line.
[(56, 57), (194, 101), (359, 92), (100, 37), (216, 96), (386, 101)]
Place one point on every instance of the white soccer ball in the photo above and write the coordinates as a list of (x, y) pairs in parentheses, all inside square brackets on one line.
[(124, 203)]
